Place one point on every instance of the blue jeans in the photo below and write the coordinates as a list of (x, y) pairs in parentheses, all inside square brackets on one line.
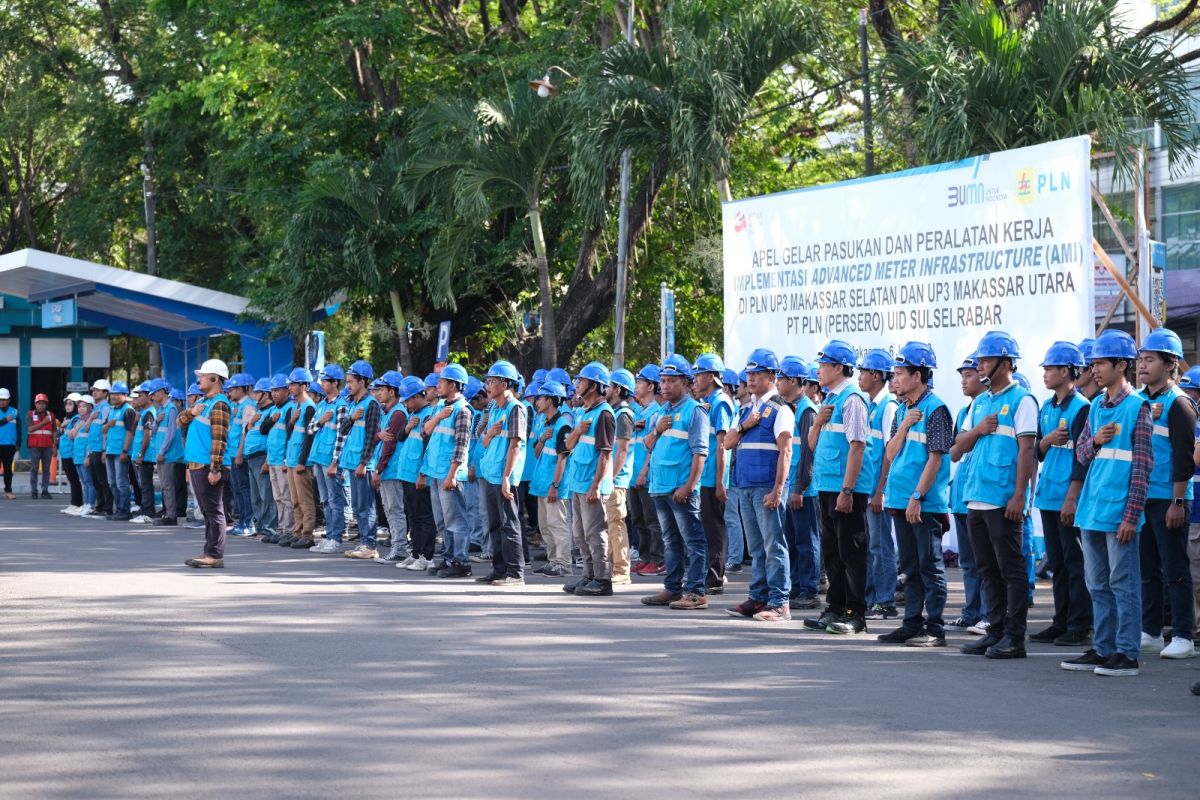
[(239, 478), (735, 545), (477, 532), (450, 515), (920, 547), (1114, 579), (804, 548), (972, 609), (333, 502), (85, 478), (266, 516), (881, 560), (362, 497), (681, 528), (771, 573), (1164, 555), (118, 479)]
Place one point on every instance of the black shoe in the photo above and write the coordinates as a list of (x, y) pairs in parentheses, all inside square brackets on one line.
[(848, 624), (804, 602), (1084, 663), (570, 586), (715, 589), (108, 517), (898, 636), (1118, 665), (1196, 688), (286, 540), (302, 543), (436, 566), (121, 517), (165, 521), (597, 587), (736, 569), (491, 576), (1073, 639), (979, 647), (1006, 648), (46, 495), (926, 639), (455, 570), (822, 622), (270, 538), (1047, 635), (35, 494), (881, 611)]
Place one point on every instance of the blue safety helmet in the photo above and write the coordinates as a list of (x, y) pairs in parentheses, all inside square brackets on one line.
[(120, 387), (194, 389), (1114, 344), (762, 360), (262, 385), (174, 394), (1064, 354), (520, 384), (410, 387), (675, 366), (505, 371), (540, 375), (454, 372), (877, 360), (1162, 340), (559, 375), (793, 367), (837, 352), (1191, 379), (431, 380), (1021, 380), (159, 385), (649, 373), (279, 381), (708, 362), (376, 384), (315, 388), (551, 388), (300, 375), (998, 344), (143, 387), (362, 369), (970, 362), (332, 372), (595, 372), (742, 377), (531, 390), (729, 377), (624, 378), (473, 388), (916, 355), (1085, 347)]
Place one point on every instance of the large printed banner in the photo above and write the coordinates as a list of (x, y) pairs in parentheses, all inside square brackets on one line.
[(940, 254)]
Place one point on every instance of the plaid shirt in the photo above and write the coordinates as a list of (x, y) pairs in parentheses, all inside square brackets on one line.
[(462, 435), (1143, 456)]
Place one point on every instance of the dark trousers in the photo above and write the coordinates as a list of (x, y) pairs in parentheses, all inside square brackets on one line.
[(712, 517), (919, 546), (418, 505), (844, 549), (1064, 558), (501, 516), (211, 500), (179, 473), (1165, 564), (650, 541), (7, 453), (1003, 571), (145, 483), (135, 485), (73, 479), (104, 495)]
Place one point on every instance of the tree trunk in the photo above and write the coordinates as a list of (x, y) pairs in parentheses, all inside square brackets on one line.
[(406, 362), (549, 338)]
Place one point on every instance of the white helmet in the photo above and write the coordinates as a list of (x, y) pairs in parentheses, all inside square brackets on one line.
[(214, 366), (4, 395), (73, 397), (102, 385)]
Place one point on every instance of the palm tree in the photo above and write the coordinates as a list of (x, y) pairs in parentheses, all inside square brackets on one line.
[(353, 232), (482, 159), (982, 82)]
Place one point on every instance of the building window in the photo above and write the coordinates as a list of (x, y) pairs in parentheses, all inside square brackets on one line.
[(1181, 226)]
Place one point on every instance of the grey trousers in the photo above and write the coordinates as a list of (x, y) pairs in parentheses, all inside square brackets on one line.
[(591, 536)]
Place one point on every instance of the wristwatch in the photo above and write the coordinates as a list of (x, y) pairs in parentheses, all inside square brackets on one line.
[(847, 490), (917, 496), (1177, 501)]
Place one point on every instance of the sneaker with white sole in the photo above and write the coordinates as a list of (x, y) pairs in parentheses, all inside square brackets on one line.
[(326, 546), (362, 552), (406, 563), (1151, 644), (140, 519), (1180, 647), (979, 628), (69, 510), (419, 564), (395, 554)]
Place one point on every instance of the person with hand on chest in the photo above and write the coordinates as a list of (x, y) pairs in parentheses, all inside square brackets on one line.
[(206, 453), (501, 466)]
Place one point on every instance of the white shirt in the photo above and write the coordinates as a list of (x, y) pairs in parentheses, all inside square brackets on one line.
[(889, 412), (785, 418)]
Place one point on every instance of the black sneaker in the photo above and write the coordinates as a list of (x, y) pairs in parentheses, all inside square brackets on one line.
[(570, 586), (1084, 663), (165, 521), (1196, 688), (822, 622), (898, 636), (597, 587), (881, 611), (979, 647), (736, 569), (927, 638), (1118, 666), (121, 517), (1073, 639), (285, 540), (455, 570), (1047, 635), (46, 495), (804, 602), (848, 624), (491, 576), (1007, 647)]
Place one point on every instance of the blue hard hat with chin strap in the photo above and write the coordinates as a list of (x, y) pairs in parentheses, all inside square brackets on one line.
[(595, 372), (916, 355), (1115, 344), (1064, 354), (877, 360), (1162, 340), (837, 352)]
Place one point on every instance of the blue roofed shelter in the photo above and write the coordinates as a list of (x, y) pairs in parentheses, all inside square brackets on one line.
[(179, 317)]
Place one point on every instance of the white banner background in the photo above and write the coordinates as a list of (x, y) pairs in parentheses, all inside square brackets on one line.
[(940, 254)]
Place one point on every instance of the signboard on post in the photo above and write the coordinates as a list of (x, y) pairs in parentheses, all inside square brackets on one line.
[(667, 334), (939, 254), (59, 314), (1158, 294), (443, 343)]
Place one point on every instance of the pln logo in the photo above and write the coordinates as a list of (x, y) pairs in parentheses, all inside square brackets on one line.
[(739, 223), (743, 221), (1026, 178)]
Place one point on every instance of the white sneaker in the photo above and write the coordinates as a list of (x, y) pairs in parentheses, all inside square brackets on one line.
[(326, 546), (420, 565), (70, 510), (1151, 644), (1180, 647), (140, 519), (979, 628), (83, 511), (406, 563), (382, 533)]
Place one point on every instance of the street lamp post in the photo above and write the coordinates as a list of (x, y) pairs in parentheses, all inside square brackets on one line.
[(151, 254), (623, 234)]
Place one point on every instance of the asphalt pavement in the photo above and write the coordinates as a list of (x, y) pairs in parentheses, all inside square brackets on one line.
[(124, 674)]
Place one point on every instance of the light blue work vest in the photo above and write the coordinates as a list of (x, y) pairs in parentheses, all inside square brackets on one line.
[(356, 440), (392, 470), (873, 454), (720, 409), (1055, 476), (114, 440), (1106, 487), (547, 462), (96, 432), (1161, 485), (255, 442), (199, 446), (324, 440), (151, 413), (295, 442), (277, 436), (994, 476), (66, 447), (623, 479), (905, 472), (833, 448), (8, 431), (535, 423), (803, 403), (440, 449), (671, 458), (637, 447), (491, 464), (411, 452), (581, 469)]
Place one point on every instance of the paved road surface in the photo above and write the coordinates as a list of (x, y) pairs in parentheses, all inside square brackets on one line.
[(124, 674)]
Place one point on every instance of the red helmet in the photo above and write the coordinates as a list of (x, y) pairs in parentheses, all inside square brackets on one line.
[(41, 398)]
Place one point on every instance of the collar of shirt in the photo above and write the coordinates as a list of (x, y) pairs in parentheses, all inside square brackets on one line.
[(883, 395), (1156, 395), (1008, 388), (1066, 401), (841, 386), (921, 399), (759, 402), (1116, 400)]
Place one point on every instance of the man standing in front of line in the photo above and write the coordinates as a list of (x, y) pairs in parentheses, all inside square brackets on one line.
[(206, 453)]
